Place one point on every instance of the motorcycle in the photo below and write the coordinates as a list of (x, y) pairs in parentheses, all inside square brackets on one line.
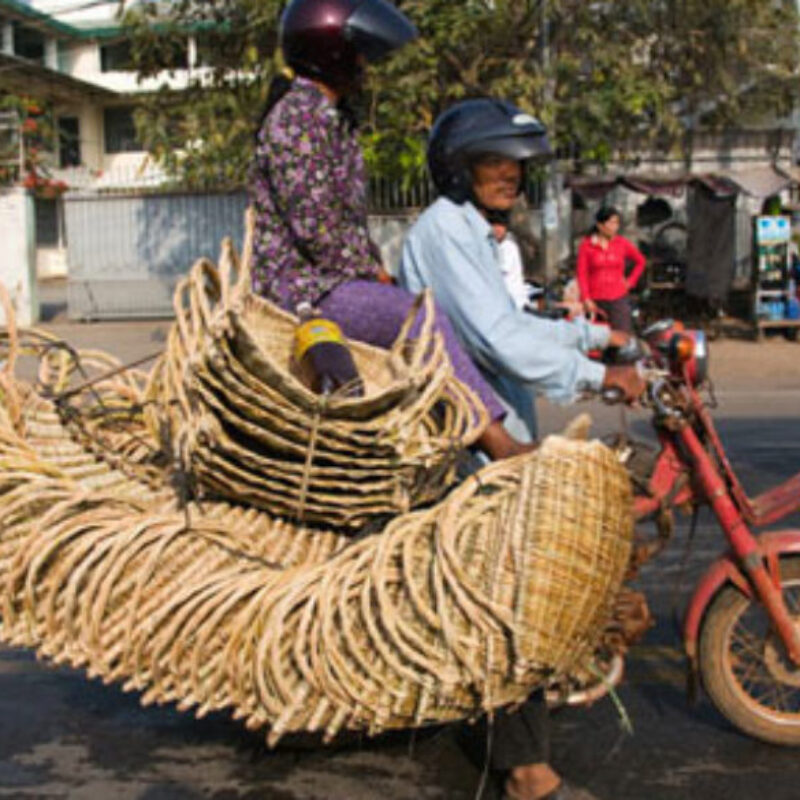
[(741, 629)]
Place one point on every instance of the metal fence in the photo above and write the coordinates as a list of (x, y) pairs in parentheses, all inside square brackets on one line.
[(127, 249), (11, 152), (126, 252), (399, 196), (392, 196)]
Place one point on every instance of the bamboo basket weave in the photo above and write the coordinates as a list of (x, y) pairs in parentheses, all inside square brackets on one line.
[(242, 427), (450, 611), (462, 607)]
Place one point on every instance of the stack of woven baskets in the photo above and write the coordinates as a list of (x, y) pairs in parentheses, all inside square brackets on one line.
[(244, 428), (229, 600)]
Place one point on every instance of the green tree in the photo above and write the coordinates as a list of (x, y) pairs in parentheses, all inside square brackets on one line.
[(729, 62), (28, 141), (606, 77), (203, 134)]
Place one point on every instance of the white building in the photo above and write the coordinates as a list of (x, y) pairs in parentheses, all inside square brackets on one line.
[(73, 56)]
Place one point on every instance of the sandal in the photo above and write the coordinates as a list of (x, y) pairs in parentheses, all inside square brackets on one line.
[(564, 791)]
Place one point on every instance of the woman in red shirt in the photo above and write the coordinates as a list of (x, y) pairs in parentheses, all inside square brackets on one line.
[(602, 259)]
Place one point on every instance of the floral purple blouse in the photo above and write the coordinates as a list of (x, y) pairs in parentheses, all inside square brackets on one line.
[(308, 187)]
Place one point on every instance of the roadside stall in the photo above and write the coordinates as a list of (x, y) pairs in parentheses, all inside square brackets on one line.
[(702, 234)]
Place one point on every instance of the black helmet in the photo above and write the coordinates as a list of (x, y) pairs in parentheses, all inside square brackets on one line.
[(480, 127), (324, 38)]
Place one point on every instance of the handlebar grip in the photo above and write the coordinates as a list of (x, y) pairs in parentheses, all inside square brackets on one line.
[(630, 353)]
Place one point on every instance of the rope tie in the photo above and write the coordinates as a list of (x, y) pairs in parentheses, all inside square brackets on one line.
[(310, 453)]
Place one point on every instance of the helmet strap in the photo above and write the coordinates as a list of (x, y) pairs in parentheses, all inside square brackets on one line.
[(497, 217)]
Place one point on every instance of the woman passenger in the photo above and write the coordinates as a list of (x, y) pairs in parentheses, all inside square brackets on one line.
[(308, 187)]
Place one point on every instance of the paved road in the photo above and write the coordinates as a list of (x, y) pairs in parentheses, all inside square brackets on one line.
[(62, 736)]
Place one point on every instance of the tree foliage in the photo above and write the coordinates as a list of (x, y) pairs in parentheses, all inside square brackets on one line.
[(204, 133), (605, 76), (27, 141)]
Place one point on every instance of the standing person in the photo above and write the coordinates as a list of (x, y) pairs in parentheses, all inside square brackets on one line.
[(476, 154), (602, 259), (308, 188)]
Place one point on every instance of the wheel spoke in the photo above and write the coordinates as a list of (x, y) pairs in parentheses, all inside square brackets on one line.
[(753, 673), (792, 600), (749, 641), (747, 651), (780, 697)]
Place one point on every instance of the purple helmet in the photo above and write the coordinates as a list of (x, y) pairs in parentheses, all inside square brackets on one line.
[(325, 39)]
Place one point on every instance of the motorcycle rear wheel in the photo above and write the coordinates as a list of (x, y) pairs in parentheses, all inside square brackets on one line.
[(744, 667)]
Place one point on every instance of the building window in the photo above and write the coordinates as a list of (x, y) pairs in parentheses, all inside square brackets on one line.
[(216, 49), (116, 57), (69, 142), (49, 221), (120, 130), (28, 43)]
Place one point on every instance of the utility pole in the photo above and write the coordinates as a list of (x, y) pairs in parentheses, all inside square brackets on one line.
[(796, 121), (550, 215)]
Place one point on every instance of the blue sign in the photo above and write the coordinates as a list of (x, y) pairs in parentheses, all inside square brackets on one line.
[(773, 229)]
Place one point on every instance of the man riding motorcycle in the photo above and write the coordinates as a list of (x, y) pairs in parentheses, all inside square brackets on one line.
[(477, 154)]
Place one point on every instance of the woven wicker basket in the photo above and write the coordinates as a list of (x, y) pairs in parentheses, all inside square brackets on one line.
[(450, 611), (244, 428), (464, 606)]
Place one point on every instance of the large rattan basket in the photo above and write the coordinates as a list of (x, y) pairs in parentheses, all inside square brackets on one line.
[(502, 586)]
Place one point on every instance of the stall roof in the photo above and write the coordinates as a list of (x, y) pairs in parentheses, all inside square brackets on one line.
[(761, 181)]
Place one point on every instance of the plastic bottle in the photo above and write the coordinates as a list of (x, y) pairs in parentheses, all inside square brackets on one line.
[(321, 356)]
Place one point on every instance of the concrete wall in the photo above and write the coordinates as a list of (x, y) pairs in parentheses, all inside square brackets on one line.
[(17, 266)]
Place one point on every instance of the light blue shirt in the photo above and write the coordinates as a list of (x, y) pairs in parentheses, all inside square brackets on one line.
[(451, 249)]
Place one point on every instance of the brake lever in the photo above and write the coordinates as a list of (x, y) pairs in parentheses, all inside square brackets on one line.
[(659, 388)]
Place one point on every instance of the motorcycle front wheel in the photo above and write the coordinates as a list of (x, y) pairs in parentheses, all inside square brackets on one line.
[(744, 666)]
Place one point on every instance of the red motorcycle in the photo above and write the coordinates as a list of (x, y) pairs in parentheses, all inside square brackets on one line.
[(742, 627)]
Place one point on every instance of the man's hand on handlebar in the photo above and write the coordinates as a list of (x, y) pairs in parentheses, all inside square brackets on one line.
[(623, 383)]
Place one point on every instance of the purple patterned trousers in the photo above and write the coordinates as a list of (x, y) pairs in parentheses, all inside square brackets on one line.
[(374, 312)]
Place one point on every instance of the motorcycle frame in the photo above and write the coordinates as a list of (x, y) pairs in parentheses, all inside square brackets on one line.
[(686, 472)]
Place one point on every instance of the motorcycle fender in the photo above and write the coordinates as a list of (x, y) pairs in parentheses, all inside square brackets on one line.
[(726, 570)]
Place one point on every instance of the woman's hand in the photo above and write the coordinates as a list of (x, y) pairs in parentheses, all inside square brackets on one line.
[(590, 306), (385, 277)]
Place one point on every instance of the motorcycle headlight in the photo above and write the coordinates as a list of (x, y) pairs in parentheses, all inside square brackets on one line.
[(688, 355)]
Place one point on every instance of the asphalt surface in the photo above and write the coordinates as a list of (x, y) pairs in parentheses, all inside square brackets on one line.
[(64, 736)]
